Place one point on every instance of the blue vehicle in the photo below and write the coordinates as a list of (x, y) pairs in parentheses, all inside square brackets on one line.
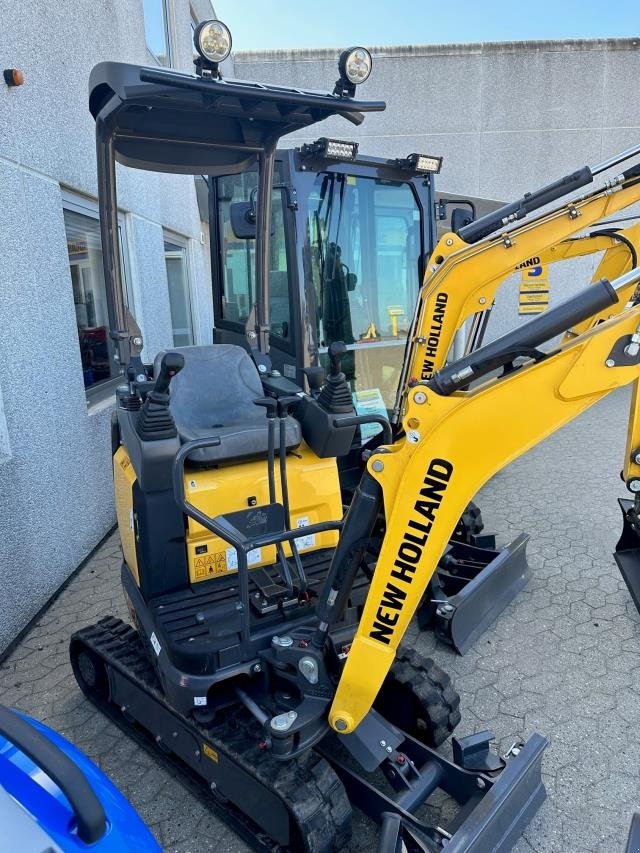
[(53, 798)]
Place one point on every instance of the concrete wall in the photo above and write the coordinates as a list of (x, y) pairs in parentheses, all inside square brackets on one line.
[(507, 117), (55, 467)]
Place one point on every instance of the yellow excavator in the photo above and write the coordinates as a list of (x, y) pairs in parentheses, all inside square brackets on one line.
[(263, 679)]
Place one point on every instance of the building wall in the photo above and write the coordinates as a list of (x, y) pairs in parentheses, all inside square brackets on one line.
[(55, 466), (508, 117)]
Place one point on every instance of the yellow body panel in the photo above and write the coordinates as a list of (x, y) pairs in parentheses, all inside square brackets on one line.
[(314, 496), (123, 479)]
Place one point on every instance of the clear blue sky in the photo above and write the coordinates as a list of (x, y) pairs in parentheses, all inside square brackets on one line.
[(257, 25)]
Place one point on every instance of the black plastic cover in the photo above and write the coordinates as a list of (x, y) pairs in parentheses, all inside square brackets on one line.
[(173, 122)]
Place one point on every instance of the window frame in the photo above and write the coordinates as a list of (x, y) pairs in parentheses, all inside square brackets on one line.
[(85, 206), (183, 242), (168, 63)]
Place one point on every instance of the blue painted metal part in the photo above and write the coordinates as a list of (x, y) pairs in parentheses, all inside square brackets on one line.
[(48, 807)]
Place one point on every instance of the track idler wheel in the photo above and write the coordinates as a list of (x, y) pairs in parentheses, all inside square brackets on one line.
[(90, 672), (418, 697)]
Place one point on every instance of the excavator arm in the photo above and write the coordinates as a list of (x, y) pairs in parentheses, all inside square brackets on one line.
[(429, 476), (447, 298)]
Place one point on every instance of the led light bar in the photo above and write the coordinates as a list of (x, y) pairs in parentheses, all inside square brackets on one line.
[(422, 163), (332, 149)]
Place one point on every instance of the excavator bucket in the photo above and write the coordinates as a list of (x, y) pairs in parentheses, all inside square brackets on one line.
[(627, 553), (473, 585)]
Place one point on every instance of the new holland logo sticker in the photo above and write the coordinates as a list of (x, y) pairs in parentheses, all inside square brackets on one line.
[(411, 549)]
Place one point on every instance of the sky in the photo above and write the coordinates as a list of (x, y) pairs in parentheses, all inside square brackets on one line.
[(257, 25)]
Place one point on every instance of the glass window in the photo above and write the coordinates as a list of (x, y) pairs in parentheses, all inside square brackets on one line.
[(238, 257), (175, 256), (156, 29), (90, 297), (365, 245)]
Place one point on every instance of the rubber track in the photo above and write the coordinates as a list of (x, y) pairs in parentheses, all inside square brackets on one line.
[(307, 786), (432, 688)]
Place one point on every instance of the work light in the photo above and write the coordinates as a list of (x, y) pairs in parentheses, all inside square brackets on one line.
[(212, 40), (421, 163), (354, 66), (332, 149)]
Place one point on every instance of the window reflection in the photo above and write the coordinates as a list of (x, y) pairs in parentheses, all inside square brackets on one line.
[(90, 298)]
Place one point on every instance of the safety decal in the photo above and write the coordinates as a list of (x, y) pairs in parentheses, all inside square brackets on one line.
[(304, 541), (253, 557), (210, 752), (156, 645), (210, 564), (534, 288)]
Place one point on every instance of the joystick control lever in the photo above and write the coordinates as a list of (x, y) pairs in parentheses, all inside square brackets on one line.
[(335, 396), (171, 364), (154, 421), (337, 351)]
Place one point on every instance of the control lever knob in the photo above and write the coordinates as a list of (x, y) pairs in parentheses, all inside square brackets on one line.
[(172, 363), (268, 403), (337, 351), (285, 404)]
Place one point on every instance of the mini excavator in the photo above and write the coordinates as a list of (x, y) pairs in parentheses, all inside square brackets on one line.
[(265, 681)]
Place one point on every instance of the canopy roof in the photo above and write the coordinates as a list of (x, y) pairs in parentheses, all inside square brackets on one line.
[(167, 121)]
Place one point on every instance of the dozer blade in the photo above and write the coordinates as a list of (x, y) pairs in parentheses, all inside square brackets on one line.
[(477, 588), (627, 553), (494, 809)]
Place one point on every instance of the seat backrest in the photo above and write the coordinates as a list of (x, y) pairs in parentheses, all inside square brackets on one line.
[(216, 386)]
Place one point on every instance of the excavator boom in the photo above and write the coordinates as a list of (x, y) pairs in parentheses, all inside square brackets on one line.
[(428, 477)]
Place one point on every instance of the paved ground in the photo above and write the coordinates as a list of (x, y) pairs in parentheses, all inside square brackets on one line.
[(563, 660)]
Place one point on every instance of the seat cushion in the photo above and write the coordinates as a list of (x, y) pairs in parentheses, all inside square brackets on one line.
[(213, 396)]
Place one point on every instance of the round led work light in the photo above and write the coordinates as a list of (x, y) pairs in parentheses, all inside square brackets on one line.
[(355, 64), (212, 40)]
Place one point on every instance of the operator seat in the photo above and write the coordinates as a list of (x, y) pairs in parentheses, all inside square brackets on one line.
[(213, 395)]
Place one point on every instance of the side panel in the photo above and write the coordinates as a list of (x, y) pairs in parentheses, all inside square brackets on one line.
[(124, 478), (314, 496)]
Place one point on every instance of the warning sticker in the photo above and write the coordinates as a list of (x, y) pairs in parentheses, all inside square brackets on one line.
[(253, 557), (538, 297), (210, 752), (304, 541), (534, 289), (210, 564)]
